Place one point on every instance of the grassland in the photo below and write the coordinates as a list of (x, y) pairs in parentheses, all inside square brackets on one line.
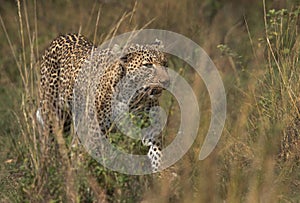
[(254, 44)]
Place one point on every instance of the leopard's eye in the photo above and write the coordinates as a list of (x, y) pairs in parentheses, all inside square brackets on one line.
[(148, 65)]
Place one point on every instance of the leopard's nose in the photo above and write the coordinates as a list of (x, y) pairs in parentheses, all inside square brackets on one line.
[(162, 75), (165, 82)]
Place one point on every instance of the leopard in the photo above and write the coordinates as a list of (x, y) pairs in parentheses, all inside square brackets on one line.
[(63, 65)]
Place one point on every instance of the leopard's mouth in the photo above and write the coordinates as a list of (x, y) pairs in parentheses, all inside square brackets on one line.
[(149, 91), (153, 90)]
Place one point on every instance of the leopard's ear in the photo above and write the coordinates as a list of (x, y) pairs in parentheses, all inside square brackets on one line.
[(157, 44), (116, 49)]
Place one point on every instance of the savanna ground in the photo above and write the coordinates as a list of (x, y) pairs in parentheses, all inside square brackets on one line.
[(254, 44)]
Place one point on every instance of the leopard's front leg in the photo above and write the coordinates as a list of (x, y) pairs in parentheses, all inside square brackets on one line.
[(152, 138)]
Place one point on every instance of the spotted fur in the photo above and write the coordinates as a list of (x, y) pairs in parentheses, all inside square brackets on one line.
[(62, 65)]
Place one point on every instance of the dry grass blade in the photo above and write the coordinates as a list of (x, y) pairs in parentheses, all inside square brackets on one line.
[(262, 94)]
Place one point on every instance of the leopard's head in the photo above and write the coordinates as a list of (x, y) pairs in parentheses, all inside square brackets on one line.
[(146, 65)]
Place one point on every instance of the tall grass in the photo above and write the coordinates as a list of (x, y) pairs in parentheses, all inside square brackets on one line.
[(257, 159), (257, 167), (53, 170)]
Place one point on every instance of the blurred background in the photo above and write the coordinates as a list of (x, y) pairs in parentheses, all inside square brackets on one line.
[(255, 46)]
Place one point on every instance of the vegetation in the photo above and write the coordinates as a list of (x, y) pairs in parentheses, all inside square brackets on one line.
[(256, 48)]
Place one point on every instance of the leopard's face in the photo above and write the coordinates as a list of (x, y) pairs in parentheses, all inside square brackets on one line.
[(147, 66)]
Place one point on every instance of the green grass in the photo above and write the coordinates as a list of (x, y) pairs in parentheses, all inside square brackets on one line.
[(256, 48)]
